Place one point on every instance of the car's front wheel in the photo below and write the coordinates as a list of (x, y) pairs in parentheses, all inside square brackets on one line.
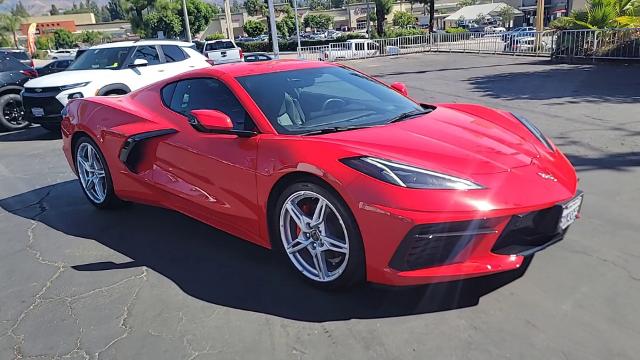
[(94, 174), (12, 113), (319, 236)]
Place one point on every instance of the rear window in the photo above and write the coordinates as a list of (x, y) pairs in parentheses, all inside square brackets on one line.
[(20, 55), (220, 45), (173, 53), (10, 64)]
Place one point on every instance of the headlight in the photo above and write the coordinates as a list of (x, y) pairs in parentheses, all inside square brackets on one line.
[(73, 86), (408, 176), (535, 131)]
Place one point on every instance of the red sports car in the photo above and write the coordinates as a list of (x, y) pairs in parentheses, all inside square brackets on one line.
[(348, 178)]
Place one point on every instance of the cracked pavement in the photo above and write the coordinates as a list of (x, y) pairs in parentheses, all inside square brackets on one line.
[(148, 283)]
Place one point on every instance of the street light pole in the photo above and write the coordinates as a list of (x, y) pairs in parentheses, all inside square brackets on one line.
[(295, 10), (187, 29), (540, 16), (368, 19), (229, 20), (274, 30)]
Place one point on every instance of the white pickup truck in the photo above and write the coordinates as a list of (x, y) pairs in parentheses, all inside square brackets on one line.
[(351, 49), (223, 51)]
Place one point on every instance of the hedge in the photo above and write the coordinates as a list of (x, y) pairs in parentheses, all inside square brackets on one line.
[(263, 46)]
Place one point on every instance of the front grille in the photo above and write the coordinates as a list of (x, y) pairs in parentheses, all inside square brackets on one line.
[(437, 244), (49, 104), (36, 90), (529, 232)]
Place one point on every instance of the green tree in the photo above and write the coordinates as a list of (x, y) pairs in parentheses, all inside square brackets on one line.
[(10, 24), (337, 4), (287, 24), (45, 42), (403, 19), (255, 7), (600, 14), (254, 28), (506, 15), (63, 39), (54, 10), (165, 18), (463, 3), (200, 15), (19, 10), (104, 15), (235, 7), (318, 21), (90, 37), (116, 9), (135, 10), (318, 5), (383, 8)]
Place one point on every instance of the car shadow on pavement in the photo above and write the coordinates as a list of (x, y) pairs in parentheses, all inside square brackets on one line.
[(218, 268), (564, 85), (31, 133)]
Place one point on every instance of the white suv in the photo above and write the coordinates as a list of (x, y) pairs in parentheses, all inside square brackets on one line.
[(109, 69)]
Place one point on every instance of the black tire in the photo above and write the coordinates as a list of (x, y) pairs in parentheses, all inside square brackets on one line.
[(51, 127), (10, 111), (110, 201), (354, 273)]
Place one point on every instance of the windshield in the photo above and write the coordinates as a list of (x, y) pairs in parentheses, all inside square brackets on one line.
[(20, 55), (307, 100), (109, 58)]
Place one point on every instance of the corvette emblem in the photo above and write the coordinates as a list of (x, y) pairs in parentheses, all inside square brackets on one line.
[(547, 176)]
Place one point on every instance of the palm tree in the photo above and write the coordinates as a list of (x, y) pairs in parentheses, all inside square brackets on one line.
[(601, 14), (11, 24)]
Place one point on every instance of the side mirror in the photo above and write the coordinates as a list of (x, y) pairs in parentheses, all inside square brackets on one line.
[(138, 63), (211, 121), (400, 87)]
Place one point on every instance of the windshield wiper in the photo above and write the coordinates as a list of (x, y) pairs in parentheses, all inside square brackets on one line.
[(336, 129), (408, 115)]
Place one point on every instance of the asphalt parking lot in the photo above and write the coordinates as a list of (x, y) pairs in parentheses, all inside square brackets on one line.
[(148, 283)]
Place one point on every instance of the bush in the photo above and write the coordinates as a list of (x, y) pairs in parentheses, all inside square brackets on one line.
[(403, 19), (254, 28), (215, 36), (455, 30), (394, 33)]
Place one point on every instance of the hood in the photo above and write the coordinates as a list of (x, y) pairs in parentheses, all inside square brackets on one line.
[(68, 77), (445, 140)]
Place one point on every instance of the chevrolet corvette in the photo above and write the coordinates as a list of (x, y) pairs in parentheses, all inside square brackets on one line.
[(346, 178)]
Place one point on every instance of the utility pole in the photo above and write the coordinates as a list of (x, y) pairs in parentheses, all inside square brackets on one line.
[(295, 10), (368, 18), (228, 19), (187, 29), (274, 30), (540, 15)]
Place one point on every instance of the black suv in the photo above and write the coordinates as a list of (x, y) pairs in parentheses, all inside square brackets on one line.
[(13, 75), (19, 55)]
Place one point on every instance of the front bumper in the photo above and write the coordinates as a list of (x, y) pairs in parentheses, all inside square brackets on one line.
[(446, 246), (42, 107)]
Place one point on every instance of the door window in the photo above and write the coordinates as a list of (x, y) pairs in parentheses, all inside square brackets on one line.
[(207, 94), (149, 53), (173, 53)]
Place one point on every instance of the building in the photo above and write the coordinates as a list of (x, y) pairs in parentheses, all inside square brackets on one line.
[(45, 24)]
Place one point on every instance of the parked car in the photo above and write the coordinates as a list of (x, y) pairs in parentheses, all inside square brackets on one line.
[(108, 69), (19, 55), (223, 51), (54, 67), (351, 49), (13, 75), (255, 57), (525, 31), (347, 179), (62, 54), (526, 45)]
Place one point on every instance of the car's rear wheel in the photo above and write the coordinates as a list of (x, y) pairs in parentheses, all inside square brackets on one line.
[(12, 113), (318, 234), (94, 174)]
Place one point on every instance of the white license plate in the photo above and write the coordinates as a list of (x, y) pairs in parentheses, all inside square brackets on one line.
[(570, 212), (39, 112)]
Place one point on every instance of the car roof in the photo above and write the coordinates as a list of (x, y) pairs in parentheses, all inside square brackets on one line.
[(265, 67), (141, 43)]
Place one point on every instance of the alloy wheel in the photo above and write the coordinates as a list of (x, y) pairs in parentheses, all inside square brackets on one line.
[(91, 172), (314, 236), (14, 113)]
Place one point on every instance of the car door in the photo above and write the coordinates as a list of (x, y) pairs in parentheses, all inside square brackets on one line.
[(152, 72), (213, 176), (176, 61)]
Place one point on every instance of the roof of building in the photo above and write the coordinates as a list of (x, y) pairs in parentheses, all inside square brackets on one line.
[(473, 11), (78, 19)]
